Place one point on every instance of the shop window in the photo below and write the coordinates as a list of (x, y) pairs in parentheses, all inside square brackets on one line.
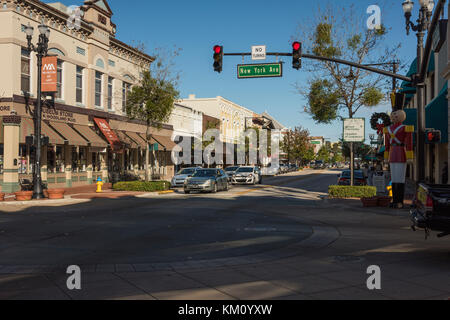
[(110, 93), (98, 89), (1, 158), (25, 71), (59, 159), (79, 85), (79, 159)]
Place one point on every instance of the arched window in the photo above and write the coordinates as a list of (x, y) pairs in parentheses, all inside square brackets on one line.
[(56, 51), (100, 63), (128, 77)]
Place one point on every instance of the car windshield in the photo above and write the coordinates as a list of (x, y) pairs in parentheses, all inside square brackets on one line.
[(205, 173), (231, 169), (244, 170), (358, 174), (187, 171)]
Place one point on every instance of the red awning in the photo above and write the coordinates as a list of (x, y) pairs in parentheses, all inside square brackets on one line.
[(104, 127)]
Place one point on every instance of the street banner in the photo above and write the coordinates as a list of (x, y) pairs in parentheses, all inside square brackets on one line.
[(49, 74)]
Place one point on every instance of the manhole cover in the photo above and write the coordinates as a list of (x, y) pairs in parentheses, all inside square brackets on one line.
[(348, 259)]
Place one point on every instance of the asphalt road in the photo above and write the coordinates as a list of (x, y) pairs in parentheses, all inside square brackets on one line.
[(281, 240)]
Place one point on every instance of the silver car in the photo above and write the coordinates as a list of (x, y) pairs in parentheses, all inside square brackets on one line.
[(231, 171), (179, 179), (247, 175), (209, 180)]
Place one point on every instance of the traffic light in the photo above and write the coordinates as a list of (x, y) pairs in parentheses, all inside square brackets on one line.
[(433, 136), (218, 58), (296, 55)]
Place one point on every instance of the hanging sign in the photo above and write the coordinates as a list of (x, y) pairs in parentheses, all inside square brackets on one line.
[(49, 74)]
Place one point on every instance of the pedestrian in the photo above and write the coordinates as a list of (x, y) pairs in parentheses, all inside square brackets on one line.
[(445, 173)]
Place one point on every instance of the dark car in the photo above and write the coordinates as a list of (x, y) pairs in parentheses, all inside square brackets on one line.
[(345, 177)]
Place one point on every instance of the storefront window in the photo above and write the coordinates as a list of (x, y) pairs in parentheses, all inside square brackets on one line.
[(1, 158), (79, 159), (59, 159), (51, 157), (23, 160)]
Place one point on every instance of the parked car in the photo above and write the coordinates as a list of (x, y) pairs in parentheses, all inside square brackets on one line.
[(432, 211), (230, 171), (179, 179), (284, 168), (210, 180), (345, 177), (247, 175)]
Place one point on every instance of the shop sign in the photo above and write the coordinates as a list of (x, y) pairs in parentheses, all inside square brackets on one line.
[(58, 115)]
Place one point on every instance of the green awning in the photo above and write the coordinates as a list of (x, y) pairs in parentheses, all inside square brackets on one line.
[(436, 114)]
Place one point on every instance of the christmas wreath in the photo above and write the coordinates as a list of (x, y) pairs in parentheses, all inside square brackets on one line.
[(375, 122)]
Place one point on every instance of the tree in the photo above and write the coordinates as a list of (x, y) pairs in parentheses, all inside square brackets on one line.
[(337, 91), (152, 99), (324, 154), (296, 144)]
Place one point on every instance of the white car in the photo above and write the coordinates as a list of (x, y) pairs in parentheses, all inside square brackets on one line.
[(247, 175), (179, 179)]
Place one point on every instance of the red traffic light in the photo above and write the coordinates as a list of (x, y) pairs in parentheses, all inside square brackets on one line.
[(296, 46), (430, 136), (217, 49)]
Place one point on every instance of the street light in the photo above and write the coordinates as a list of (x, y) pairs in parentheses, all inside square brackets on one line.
[(423, 23), (41, 50)]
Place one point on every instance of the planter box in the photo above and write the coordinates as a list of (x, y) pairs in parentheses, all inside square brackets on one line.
[(384, 201), (24, 195), (54, 194), (369, 202), (2, 197)]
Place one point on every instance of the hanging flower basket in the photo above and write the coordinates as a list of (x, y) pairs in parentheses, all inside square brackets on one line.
[(55, 194), (2, 197), (24, 195), (369, 202)]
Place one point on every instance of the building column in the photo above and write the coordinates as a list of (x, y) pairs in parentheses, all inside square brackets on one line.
[(90, 166), (11, 132), (68, 165), (104, 167), (44, 164)]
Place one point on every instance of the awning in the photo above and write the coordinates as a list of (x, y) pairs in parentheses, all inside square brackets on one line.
[(165, 142), (109, 134), (27, 129), (71, 136), (130, 143), (90, 135), (137, 138), (436, 114)]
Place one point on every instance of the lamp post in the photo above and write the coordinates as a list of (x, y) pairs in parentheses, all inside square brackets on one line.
[(41, 50), (423, 23)]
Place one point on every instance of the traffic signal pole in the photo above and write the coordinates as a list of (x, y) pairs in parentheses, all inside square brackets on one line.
[(340, 61)]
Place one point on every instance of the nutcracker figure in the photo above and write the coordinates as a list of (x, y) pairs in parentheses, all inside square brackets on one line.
[(399, 149)]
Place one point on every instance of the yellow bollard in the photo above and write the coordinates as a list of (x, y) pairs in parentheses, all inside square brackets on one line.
[(99, 185)]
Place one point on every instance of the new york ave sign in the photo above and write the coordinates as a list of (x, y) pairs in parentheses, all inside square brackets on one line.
[(261, 70)]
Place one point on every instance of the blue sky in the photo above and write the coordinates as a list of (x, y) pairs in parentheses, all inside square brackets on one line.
[(197, 25)]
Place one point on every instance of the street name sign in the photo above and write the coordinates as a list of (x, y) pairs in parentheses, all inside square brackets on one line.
[(354, 130), (262, 70), (259, 53)]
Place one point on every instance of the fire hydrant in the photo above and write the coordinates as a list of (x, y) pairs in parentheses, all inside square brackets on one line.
[(99, 185), (389, 189)]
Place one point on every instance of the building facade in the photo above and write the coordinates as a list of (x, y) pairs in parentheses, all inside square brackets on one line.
[(89, 133)]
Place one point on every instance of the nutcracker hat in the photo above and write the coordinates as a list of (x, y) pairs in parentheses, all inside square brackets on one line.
[(399, 102)]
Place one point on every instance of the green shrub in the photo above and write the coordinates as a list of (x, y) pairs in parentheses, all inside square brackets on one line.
[(352, 192), (142, 186)]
